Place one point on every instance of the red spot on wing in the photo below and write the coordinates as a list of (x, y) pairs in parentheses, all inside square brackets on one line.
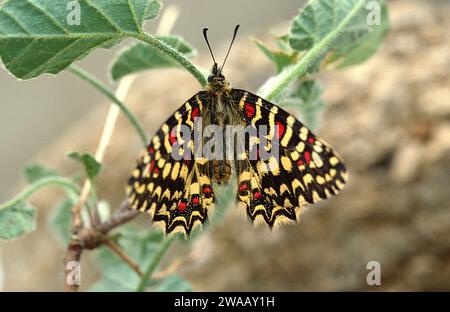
[(307, 156), (257, 195), (195, 112), (311, 140), (151, 150), (249, 110), (152, 165), (243, 187), (207, 189), (182, 206), (173, 136), (281, 129), (195, 200)]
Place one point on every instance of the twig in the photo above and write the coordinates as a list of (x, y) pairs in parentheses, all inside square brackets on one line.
[(122, 215), (118, 251)]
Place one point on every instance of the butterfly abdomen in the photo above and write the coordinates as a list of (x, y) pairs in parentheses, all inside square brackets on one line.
[(221, 171)]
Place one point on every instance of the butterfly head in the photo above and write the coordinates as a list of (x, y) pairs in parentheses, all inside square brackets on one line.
[(216, 81)]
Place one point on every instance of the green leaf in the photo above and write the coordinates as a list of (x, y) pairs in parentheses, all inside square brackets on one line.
[(139, 57), (283, 42), (174, 283), (60, 221), (320, 27), (35, 172), (91, 166), (38, 36), (280, 58), (366, 46), (320, 18), (17, 220)]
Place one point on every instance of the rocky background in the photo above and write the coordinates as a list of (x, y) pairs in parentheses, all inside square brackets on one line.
[(390, 121)]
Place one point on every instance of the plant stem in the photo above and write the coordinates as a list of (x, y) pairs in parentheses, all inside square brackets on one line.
[(105, 90), (33, 188), (154, 263), (118, 251), (174, 54), (300, 69)]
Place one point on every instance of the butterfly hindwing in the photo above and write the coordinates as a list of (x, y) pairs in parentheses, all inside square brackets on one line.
[(306, 171), (177, 193)]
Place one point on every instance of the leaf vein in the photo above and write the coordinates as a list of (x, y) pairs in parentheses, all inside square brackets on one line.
[(48, 16), (105, 16)]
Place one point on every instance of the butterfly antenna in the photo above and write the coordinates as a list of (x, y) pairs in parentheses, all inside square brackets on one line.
[(231, 44), (205, 35)]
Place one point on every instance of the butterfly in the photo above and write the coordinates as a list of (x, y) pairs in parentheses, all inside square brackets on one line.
[(178, 189)]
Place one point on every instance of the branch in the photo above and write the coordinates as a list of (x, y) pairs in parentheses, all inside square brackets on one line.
[(74, 250), (118, 251), (91, 238), (174, 54), (122, 215)]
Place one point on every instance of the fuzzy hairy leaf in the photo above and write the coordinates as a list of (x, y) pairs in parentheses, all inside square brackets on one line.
[(40, 36), (17, 220), (61, 219), (139, 57), (280, 58), (91, 166), (35, 172), (343, 27), (323, 26), (367, 45)]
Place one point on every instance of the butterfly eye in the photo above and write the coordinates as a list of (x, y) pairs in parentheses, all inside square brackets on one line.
[(210, 78)]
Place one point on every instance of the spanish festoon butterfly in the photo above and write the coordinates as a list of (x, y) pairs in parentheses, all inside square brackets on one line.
[(179, 192)]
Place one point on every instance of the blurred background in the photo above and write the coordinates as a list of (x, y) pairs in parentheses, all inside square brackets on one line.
[(389, 119)]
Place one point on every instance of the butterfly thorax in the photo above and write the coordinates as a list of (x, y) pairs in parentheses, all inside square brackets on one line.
[(220, 111)]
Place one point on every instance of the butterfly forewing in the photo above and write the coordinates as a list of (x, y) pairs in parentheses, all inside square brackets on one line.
[(177, 193), (305, 171)]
